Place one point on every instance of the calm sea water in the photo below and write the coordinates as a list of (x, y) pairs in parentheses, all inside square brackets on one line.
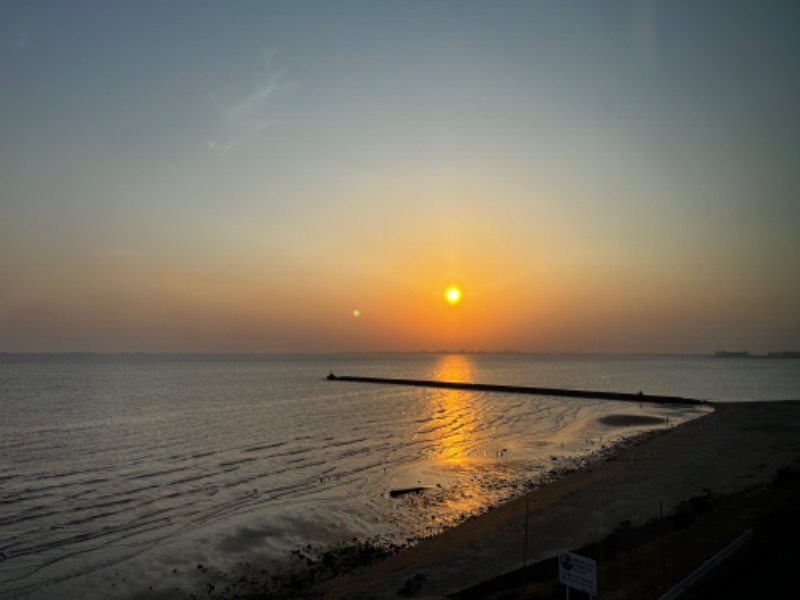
[(119, 471)]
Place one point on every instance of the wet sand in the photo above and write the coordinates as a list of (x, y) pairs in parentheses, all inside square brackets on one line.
[(736, 447)]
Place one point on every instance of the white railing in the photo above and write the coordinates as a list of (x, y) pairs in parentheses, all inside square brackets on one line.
[(707, 566)]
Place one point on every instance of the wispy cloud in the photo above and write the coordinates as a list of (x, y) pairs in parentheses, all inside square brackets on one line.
[(247, 116)]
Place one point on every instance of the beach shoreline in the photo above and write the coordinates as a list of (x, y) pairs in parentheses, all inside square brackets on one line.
[(735, 448), (738, 446), (303, 571), (307, 567)]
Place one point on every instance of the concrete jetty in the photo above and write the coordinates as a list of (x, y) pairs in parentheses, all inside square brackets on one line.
[(514, 389)]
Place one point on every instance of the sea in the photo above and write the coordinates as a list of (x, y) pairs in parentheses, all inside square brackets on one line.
[(122, 474)]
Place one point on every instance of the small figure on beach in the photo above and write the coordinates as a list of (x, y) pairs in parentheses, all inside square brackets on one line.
[(331, 375)]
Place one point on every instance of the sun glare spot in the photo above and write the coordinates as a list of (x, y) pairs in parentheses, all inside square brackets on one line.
[(453, 295)]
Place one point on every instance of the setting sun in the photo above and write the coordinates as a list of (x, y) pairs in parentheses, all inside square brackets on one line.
[(453, 295)]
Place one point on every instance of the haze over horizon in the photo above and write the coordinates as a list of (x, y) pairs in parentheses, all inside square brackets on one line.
[(595, 177)]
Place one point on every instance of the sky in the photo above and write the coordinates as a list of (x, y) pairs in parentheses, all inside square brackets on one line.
[(612, 176)]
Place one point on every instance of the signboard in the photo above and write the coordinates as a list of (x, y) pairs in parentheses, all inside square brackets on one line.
[(578, 572)]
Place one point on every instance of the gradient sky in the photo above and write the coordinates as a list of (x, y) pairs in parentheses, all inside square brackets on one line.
[(598, 176)]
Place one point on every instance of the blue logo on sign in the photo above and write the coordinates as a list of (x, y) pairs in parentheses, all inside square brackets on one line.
[(566, 562)]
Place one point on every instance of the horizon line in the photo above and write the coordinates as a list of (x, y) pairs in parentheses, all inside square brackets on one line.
[(348, 352)]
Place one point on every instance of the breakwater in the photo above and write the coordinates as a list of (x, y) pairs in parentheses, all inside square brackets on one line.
[(514, 389)]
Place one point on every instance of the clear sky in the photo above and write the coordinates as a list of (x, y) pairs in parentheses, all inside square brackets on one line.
[(597, 176)]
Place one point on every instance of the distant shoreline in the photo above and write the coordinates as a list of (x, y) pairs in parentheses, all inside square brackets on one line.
[(744, 354)]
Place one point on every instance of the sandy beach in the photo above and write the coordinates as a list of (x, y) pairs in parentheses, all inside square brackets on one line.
[(737, 447)]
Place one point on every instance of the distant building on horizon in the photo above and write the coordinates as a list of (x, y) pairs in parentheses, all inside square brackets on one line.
[(726, 354)]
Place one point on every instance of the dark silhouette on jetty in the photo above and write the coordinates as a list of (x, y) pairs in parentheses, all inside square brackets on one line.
[(513, 389)]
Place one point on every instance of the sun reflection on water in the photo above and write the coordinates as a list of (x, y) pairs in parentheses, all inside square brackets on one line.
[(455, 367), (454, 413), (456, 452)]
